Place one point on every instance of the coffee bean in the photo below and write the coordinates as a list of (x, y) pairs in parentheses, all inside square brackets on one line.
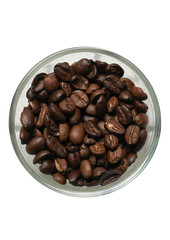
[(56, 96), (93, 73), (35, 145), (138, 93), (82, 67), (63, 71), (43, 155), (88, 140), (98, 172), (97, 149), (45, 133), (114, 127), (115, 156), (74, 159), (79, 82), (92, 160), (76, 134), (132, 134), (101, 66), (44, 109), (109, 177), (92, 129), (30, 94), (43, 96), (27, 118), (100, 79), (101, 125), (114, 84), (114, 69), (91, 109), (51, 125), (131, 157), (134, 113), (66, 88), (67, 106), (92, 87), (47, 167), (101, 106), (24, 135), (85, 169), (54, 145), (63, 132), (51, 83), (140, 106), (111, 141), (112, 104), (141, 120), (125, 96), (59, 178), (72, 148), (124, 115), (109, 117), (79, 183), (73, 176), (84, 151), (56, 114), (38, 83), (123, 165), (87, 118), (91, 183), (35, 106), (61, 165), (96, 94), (80, 98), (141, 141), (128, 84)]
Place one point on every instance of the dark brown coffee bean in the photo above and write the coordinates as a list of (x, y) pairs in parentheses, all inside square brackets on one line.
[(96, 94), (47, 167), (101, 66), (79, 82), (140, 106), (134, 113), (93, 73), (56, 96), (59, 178), (66, 88), (85, 169), (67, 106), (141, 141), (35, 106), (123, 165), (98, 172), (141, 120), (54, 145), (76, 134), (72, 148), (115, 156), (91, 109), (88, 140), (92, 87), (131, 157), (101, 161), (132, 134), (109, 177), (92, 129), (35, 145), (87, 118), (125, 96), (61, 165), (113, 84), (74, 159), (63, 132), (80, 98), (38, 83), (79, 183), (97, 149), (111, 141), (114, 127), (51, 83), (51, 125), (75, 118), (43, 111), (43, 155), (84, 152), (114, 69), (56, 114), (45, 133), (112, 104), (63, 71), (73, 176), (128, 105), (24, 135), (124, 115), (27, 118), (43, 96), (138, 93), (100, 79), (92, 160), (101, 125), (109, 117), (30, 94), (101, 106), (128, 84), (82, 67), (91, 183)]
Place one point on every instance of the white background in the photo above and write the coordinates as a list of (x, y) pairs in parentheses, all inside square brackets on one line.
[(31, 30)]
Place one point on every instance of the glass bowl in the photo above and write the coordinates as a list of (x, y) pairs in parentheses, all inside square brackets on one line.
[(70, 56)]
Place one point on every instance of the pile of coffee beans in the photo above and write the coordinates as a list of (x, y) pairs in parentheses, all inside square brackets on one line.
[(84, 122)]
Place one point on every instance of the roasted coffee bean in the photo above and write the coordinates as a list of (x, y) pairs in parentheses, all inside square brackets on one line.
[(66, 88), (76, 134), (59, 178), (96, 94), (91, 109), (74, 159), (30, 94), (113, 83), (141, 120), (38, 83), (84, 152), (111, 141), (51, 83), (56, 96), (27, 118), (97, 149), (114, 69), (125, 96), (79, 82), (79, 183), (88, 140), (73, 176), (43, 111), (140, 106), (128, 105), (132, 134), (141, 141), (92, 87), (101, 66), (43, 96), (51, 125), (101, 125), (112, 104), (92, 160), (67, 106), (72, 148), (101, 106), (115, 156), (92, 129), (86, 169), (109, 176), (138, 93), (128, 84), (91, 183), (35, 145), (24, 135), (100, 79), (134, 113), (101, 161), (43, 155), (47, 167), (54, 145), (75, 118), (93, 73), (87, 118), (124, 115), (63, 71), (80, 98), (109, 117), (45, 133), (123, 165), (82, 67), (63, 132), (131, 157), (61, 165), (114, 127), (98, 172), (56, 114), (35, 106)]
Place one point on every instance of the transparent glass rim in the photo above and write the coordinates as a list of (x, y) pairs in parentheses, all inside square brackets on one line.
[(78, 50)]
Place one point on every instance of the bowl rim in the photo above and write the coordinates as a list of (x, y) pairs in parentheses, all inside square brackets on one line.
[(156, 136)]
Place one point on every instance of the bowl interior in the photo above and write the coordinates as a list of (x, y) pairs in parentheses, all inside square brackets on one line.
[(70, 56)]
